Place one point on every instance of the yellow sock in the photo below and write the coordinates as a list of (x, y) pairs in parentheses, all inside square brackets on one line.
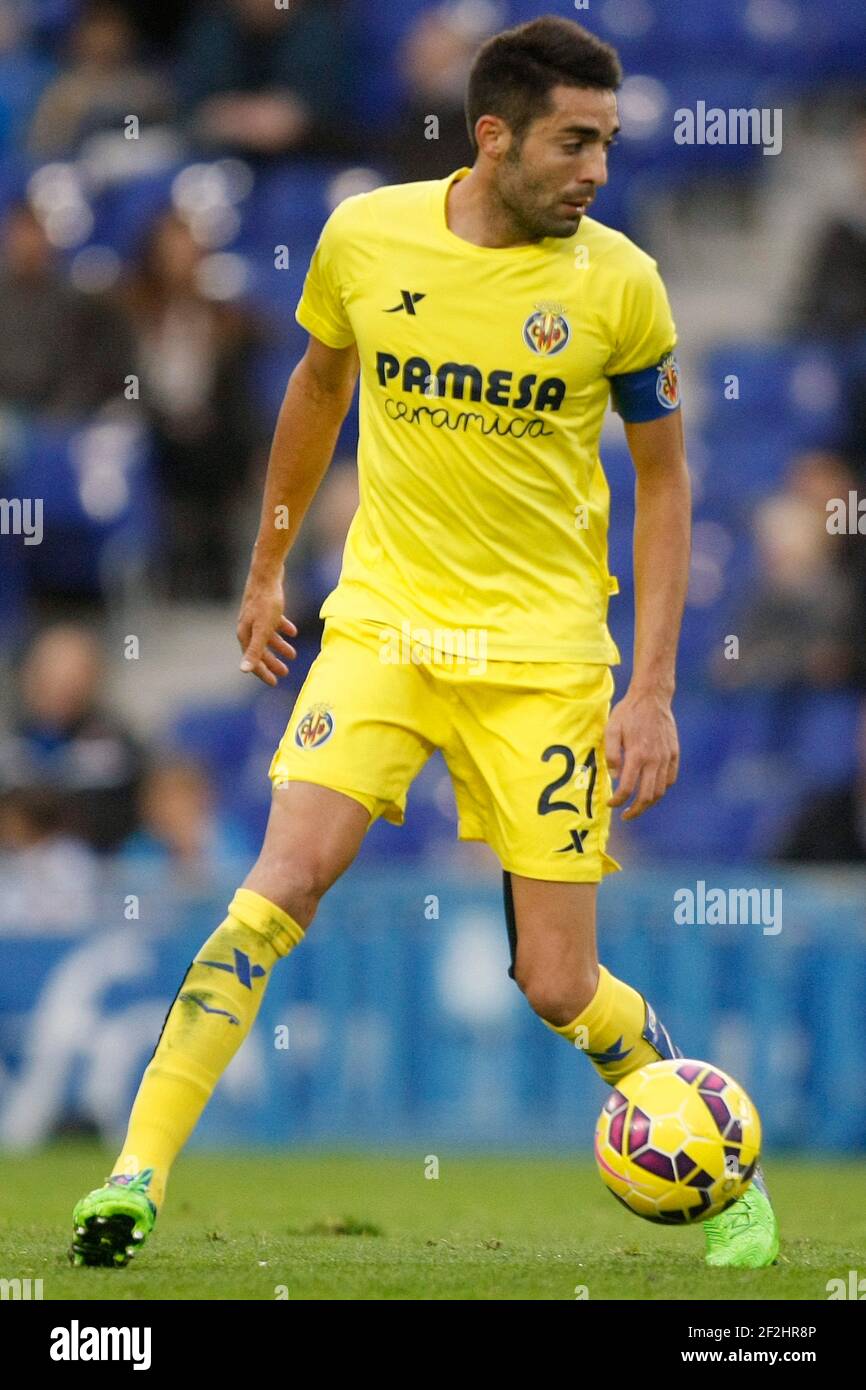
[(212, 1013), (618, 1030)]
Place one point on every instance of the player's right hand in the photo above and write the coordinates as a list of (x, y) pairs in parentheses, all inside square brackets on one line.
[(262, 631)]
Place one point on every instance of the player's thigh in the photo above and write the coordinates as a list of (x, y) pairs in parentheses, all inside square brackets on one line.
[(362, 724), (313, 835), (553, 929), (529, 769)]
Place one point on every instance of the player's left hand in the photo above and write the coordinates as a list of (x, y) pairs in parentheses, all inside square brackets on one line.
[(642, 750)]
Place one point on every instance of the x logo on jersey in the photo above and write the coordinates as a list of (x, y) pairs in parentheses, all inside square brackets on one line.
[(577, 839), (408, 302)]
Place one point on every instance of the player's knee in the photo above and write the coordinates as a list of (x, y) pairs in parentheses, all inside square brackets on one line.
[(554, 998), (306, 883), (293, 882)]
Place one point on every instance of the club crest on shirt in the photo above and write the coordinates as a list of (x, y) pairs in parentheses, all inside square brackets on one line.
[(668, 384), (315, 728), (547, 330)]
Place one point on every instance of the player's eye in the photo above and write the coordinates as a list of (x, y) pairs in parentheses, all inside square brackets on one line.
[(574, 147)]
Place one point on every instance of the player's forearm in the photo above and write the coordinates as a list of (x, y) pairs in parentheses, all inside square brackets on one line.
[(661, 570), (303, 445)]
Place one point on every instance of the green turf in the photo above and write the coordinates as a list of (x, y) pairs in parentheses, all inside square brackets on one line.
[(373, 1227)]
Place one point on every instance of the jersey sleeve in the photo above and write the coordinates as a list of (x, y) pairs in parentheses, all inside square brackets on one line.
[(642, 369), (322, 306)]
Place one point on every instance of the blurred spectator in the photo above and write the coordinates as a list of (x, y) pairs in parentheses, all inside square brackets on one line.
[(831, 827), (195, 356), (61, 351), (63, 740), (434, 64), (832, 297), (799, 628), (48, 879), (179, 825), (23, 73), (259, 79), (853, 443), (102, 84), (157, 26), (821, 477)]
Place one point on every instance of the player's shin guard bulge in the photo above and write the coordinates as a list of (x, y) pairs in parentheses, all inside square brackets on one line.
[(618, 1030), (213, 1012)]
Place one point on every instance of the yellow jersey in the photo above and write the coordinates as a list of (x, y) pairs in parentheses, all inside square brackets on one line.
[(485, 377)]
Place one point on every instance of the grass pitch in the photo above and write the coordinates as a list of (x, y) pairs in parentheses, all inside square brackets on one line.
[(303, 1225)]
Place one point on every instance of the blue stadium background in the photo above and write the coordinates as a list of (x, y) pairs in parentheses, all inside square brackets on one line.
[(403, 1023)]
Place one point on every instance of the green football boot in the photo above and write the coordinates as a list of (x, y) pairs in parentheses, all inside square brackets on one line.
[(746, 1236), (113, 1221)]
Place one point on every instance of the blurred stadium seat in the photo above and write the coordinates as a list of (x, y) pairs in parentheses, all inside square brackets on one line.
[(100, 523)]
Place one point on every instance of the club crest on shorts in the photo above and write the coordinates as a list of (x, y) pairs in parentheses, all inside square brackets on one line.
[(315, 728), (547, 330), (668, 384)]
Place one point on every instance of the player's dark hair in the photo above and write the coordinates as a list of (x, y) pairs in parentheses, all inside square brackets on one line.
[(515, 71)]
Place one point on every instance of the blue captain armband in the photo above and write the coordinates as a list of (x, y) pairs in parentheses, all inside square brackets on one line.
[(647, 394)]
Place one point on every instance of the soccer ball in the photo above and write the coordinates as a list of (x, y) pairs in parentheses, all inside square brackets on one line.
[(678, 1141)]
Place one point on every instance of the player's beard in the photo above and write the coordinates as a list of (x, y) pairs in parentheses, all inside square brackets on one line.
[(530, 204)]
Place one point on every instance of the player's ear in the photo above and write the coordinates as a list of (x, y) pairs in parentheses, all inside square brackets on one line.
[(492, 136)]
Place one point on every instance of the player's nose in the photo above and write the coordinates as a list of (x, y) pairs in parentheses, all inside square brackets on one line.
[(595, 170)]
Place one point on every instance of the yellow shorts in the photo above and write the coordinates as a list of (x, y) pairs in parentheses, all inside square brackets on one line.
[(522, 740)]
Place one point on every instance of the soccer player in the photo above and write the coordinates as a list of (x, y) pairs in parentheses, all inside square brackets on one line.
[(490, 320)]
